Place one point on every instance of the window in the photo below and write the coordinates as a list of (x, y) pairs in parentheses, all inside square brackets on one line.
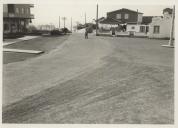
[(22, 23), (6, 27), (28, 10), (17, 10), (142, 28), (126, 16), (147, 29), (11, 8), (156, 29), (118, 16), (22, 10)]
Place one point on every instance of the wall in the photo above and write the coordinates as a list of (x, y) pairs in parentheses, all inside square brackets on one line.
[(132, 15), (26, 8), (5, 9), (106, 26), (140, 18), (135, 29), (165, 27)]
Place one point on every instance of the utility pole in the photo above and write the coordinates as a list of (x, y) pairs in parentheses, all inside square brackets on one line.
[(172, 28), (59, 22), (64, 18), (137, 16), (171, 42), (96, 19), (85, 19), (71, 25)]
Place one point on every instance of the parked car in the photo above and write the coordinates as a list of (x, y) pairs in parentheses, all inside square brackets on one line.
[(56, 32), (65, 30)]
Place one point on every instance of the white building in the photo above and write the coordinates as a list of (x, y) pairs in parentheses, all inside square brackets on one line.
[(138, 29), (160, 27)]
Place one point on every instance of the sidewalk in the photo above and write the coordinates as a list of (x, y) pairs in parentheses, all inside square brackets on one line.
[(12, 41)]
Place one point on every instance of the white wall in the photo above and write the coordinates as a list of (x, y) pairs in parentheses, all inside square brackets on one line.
[(165, 27), (133, 27), (136, 27), (107, 26), (140, 18)]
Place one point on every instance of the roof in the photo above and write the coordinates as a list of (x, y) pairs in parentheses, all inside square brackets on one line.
[(100, 19), (146, 19), (110, 21), (124, 9)]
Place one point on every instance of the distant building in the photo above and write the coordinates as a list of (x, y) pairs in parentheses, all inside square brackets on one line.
[(123, 20), (140, 29), (126, 16), (160, 27), (16, 18), (133, 23), (47, 27)]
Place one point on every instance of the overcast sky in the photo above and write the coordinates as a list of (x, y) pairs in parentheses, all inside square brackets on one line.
[(48, 12)]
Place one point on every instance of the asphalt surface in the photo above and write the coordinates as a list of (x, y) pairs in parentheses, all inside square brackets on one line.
[(98, 80), (45, 44)]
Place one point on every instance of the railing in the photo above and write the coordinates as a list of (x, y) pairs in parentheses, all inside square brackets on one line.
[(32, 5), (15, 15)]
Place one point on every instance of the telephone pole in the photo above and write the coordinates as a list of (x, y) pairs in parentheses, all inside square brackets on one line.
[(64, 18), (85, 19), (59, 22), (71, 24), (137, 16), (96, 19)]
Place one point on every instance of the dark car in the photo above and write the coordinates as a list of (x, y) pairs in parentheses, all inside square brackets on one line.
[(56, 32)]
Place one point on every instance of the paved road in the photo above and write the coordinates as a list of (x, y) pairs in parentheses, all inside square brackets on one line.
[(44, 44), (99, 80)]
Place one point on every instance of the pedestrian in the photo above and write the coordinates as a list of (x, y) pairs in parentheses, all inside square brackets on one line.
[(86, 33), (113, 31)]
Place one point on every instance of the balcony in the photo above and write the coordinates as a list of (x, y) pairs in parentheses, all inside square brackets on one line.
[(15, 15), (32, 5)]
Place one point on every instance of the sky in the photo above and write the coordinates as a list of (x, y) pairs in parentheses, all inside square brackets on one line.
[(48, 12)]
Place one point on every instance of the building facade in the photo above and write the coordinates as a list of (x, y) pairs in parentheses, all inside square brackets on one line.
[(124, 21), (138, 29), (126, 16), (16, 18), (160, 27), (133, 23)]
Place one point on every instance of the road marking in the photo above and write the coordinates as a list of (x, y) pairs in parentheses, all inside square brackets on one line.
[(20, 39), (4, 44), (21, 51)]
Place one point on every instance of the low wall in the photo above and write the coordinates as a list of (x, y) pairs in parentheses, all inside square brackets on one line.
[(140, 34), (123, 33)]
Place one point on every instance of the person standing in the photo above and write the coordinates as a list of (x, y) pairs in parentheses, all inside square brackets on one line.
[(113, 31), (86, 33)]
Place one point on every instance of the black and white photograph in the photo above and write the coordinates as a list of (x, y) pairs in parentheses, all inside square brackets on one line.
[(81, 62)]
